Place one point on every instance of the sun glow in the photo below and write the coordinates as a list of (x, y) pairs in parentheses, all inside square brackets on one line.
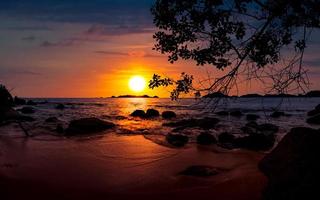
[(137, 83)]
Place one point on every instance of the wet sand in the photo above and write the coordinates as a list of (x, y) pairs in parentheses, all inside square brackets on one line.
[(121, 167)]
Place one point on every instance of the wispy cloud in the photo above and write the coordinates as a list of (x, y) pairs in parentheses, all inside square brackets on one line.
[(29, 38), (134, 53), (99, 29), (29, 28)]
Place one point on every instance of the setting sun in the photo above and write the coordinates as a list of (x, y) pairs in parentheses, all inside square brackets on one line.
[(137, 83)]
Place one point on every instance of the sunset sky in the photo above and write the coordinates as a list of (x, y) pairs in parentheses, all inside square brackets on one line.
[(82, 48)]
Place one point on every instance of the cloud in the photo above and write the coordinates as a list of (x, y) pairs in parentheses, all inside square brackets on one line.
[(103, 30), (29, 38), (29, 28), (134, 53), (9, 72), (62, 43)]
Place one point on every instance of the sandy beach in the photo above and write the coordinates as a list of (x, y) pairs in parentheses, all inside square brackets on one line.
[(110, 166)]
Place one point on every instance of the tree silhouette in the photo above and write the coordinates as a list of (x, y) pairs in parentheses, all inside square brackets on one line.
[(264, 39)]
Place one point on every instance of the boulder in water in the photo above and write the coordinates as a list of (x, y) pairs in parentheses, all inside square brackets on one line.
[(204, 123), (236, 113), (252, 117), (200, 171), (60, 106), (168, 115), (52, 120), (314, 119), (31, 103), (138, 113), (206, 139), (257, 142), (226, 137), (151, 113), (88, 125), (27, 110), (293, 166), (222, 113), (177, 140), (277, 114), (19, 101)]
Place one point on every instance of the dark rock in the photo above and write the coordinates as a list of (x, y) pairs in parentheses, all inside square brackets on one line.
[(222, 113), (177, 140), (6, 100), (19, 101), (215, 95), (27, 110), (236, 113), (278, 114), (200, 171), (314, 120), (52, 120), (205, 123), (226, 137), (88, 125), (318, 107), (268, 129), (293, 166), (152, 113), (250, 128), (59, 129), (16, 116), (206, 139), (168, 115), (251, 96), (257, 142), (252, 117), (253, 128), (31, 103), (314, 93), (313, 112), (138, 113), (60, 106)]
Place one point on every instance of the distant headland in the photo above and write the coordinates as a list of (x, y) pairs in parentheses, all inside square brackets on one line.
[(135, 96), (314, 93)]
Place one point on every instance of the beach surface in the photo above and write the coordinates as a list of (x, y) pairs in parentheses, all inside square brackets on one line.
[(111, 166)]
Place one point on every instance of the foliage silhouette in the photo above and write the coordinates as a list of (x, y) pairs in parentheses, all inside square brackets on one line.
[(236, 36)]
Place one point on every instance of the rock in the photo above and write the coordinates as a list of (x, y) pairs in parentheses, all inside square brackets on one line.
[(138, 113), (27, 110), (315, 111), (15, 115), (253, 128), (226, 137), (59, 129), (257, 142), (293, 166), (19, 101), (152, 113), (200, 171), (236, 113), (222, 113), (278, 114), (6, 100), (204, 123), (60, 106), (314, 93), (314, 119), (88, 125), (177, 140), (206, 139), (168, 115), (268, 128), (252, 117), (31, 103), (52, 120)]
